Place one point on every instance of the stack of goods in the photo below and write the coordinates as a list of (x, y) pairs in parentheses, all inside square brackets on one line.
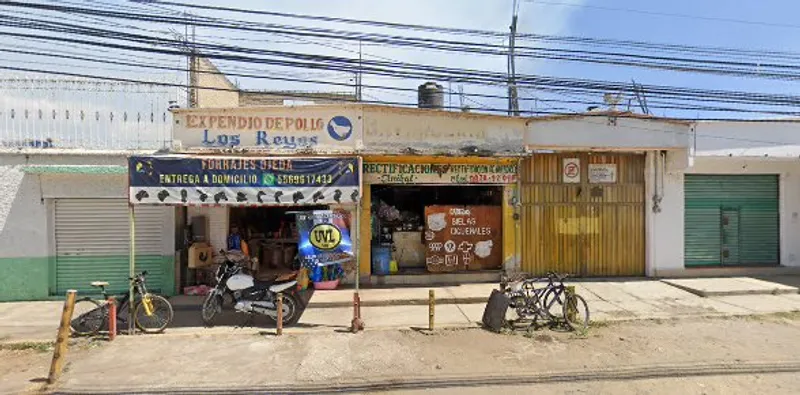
[(327, 277)]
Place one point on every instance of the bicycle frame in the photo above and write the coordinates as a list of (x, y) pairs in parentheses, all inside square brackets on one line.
[(123, 299), (534, 303)]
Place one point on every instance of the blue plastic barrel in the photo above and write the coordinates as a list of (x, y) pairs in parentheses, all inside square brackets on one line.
[(381, 256)]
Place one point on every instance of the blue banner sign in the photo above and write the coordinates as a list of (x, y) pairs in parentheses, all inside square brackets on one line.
[(185, 180), (324, 238)]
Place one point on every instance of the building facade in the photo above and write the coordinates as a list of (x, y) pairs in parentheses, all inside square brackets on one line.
[(590, 203), (734, 210), (443, 196)]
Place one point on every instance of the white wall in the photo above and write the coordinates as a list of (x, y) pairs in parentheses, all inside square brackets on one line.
[(753, 139), (662, 225), (606, 132), (217, 221)]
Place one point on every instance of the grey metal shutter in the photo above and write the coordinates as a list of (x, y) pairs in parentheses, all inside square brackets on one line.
[(93, 243)]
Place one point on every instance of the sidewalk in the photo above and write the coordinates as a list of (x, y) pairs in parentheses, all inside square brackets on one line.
[(456, 306)]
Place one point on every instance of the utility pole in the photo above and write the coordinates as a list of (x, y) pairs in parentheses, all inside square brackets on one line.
[(192, 60), (359, 74), (513, 98)]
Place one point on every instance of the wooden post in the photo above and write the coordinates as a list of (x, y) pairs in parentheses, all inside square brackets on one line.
[(62, 341), (280, 314), (431, 308), (357, 324), (112, 318), (569, 299)]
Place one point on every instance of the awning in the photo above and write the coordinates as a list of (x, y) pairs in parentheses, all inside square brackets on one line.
[(187, 180)]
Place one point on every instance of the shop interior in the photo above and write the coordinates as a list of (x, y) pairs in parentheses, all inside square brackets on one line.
[(398, 219), (271, 236)]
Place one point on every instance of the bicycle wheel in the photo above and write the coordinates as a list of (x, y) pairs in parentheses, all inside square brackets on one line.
[(558, 303), (89, 317), (576, 312), (152, 314)]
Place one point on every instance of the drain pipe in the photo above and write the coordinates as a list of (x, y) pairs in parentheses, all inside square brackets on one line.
[(517, 218)]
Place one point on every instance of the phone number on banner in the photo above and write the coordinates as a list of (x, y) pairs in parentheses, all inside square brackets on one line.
[(492, 178), (303, 179)]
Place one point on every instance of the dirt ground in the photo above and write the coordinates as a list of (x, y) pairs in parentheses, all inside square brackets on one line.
[(684, 357)]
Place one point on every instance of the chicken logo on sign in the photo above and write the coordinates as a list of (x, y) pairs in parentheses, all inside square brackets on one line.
[(340, 128)]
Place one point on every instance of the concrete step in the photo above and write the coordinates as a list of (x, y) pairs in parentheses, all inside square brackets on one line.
[(730, 286)]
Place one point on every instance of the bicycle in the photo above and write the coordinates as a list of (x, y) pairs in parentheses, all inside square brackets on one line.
[(151, 313), (529, 301)]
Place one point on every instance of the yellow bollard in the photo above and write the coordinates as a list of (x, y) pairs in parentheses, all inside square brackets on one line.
[(431, 308), (569, 298), (62, 341)]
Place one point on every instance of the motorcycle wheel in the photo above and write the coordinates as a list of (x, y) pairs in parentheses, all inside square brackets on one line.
[(291, 310), (211, 307)]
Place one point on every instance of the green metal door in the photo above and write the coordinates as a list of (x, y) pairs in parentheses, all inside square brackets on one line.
[(731, 220), (730, 236)]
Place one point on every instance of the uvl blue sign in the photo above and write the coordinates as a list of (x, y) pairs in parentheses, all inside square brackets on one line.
[(324, 238)]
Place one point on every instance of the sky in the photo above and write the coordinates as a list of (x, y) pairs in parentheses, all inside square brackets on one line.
[(763, 25)]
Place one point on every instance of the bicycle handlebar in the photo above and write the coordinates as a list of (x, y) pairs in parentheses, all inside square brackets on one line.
[(138, 276)]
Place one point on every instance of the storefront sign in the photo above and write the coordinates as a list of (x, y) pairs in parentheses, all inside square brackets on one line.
[(413, 173), (603, 173), (281, 129), (184, 180), (463, 238), (571, 171), (324, 238)]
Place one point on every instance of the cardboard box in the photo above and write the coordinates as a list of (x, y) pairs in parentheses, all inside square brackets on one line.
[(200, 255)]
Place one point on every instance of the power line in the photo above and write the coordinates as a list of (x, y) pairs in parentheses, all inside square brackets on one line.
[(469, 76), (720, 67), (412, 70), (486, 33)]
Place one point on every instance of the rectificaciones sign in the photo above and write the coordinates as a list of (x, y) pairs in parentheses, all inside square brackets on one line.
[(416, 173)]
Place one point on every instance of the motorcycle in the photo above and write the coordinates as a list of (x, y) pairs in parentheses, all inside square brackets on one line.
[(250, 295)]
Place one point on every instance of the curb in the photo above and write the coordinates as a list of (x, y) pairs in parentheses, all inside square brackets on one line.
[(369, 303), (385, 384), (400, 302)]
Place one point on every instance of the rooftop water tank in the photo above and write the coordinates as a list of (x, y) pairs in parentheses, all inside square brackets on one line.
[(431, 95)]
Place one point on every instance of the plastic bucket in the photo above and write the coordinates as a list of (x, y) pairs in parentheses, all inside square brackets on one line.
[(381, 257), (329, 285)]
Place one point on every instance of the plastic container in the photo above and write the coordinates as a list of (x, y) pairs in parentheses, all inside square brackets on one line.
[(381, 258), (326, 285)]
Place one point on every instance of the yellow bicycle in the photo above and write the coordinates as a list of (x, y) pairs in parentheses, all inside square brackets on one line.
[(151, 313)]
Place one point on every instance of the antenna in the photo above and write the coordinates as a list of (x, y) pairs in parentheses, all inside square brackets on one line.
[(638, 90)]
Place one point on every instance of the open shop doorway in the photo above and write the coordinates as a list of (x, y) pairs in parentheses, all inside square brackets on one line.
[(420, 229)]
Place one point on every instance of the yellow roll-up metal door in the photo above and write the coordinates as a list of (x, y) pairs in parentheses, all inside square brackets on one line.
[(590, 226)]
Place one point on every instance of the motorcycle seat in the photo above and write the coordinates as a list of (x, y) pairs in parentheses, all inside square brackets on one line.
[(262, 284)]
